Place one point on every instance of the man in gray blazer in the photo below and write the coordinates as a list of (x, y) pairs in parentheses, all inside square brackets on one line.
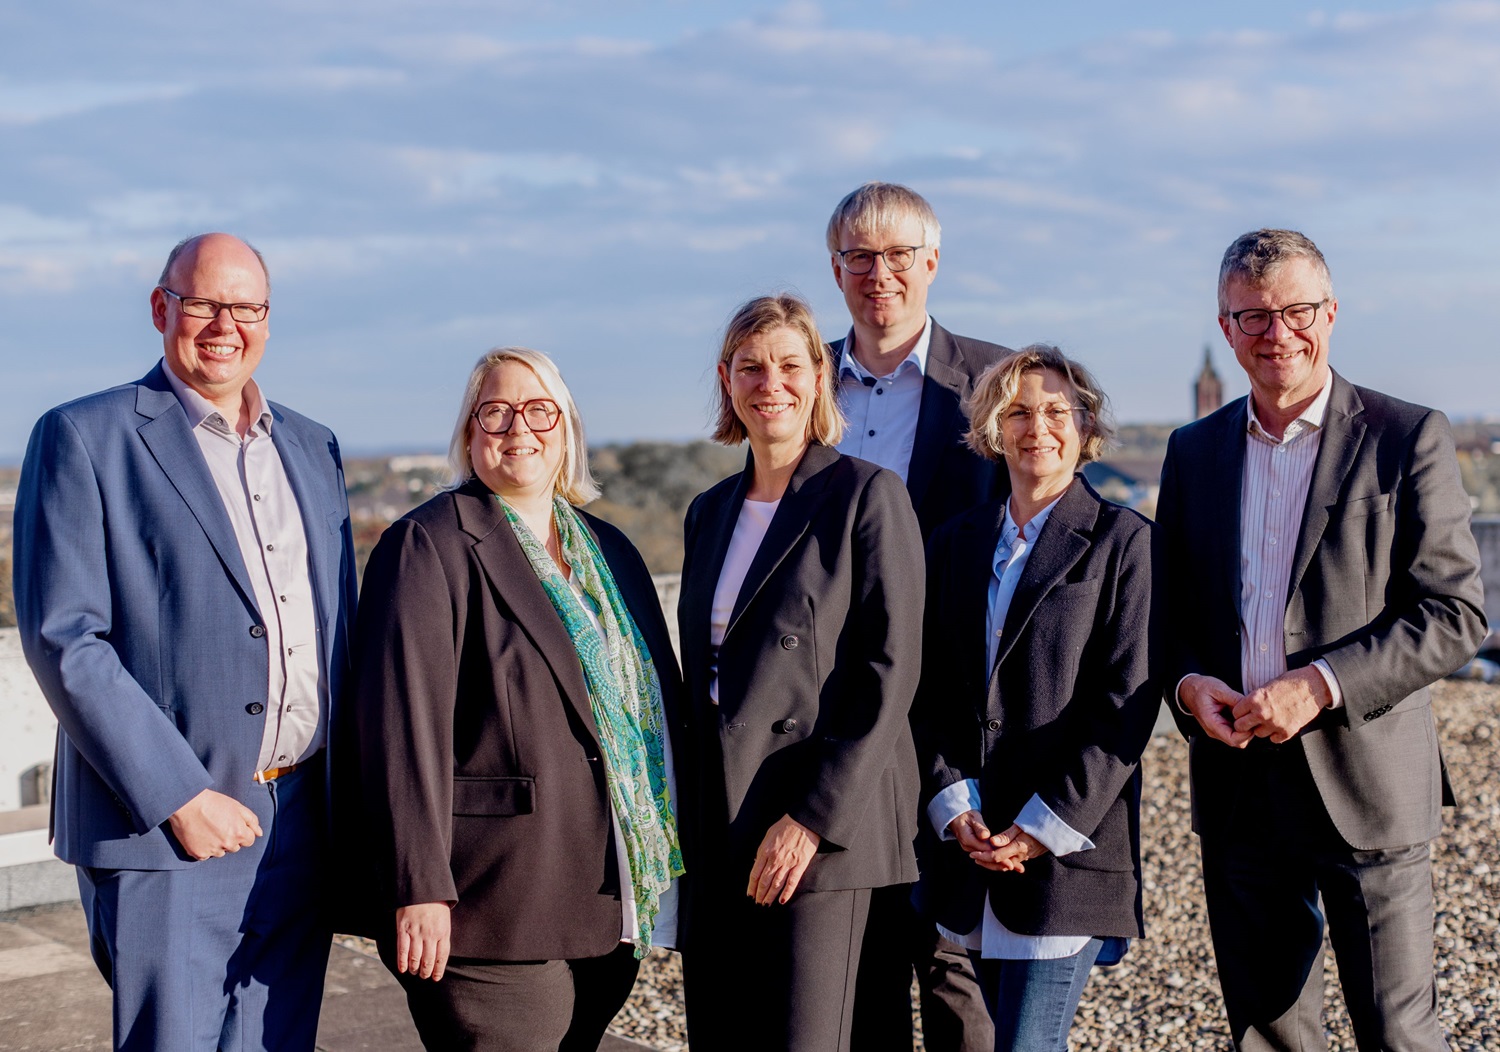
[(902, 380), (184, 587), (1319, 574)]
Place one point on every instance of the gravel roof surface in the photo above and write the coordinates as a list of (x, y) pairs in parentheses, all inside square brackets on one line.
[(1164, 996)]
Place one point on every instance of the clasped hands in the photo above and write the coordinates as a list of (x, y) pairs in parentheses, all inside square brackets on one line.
[(1276, 710), (1005, 852)]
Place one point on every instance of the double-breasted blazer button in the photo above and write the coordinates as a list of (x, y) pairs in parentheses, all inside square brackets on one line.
[(785, 726), (255, 708), (993, 725), (790, 641), (256, 631)]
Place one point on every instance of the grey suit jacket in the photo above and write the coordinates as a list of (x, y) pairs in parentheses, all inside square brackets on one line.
[(946, 478), (816, 672), (1385, 587), (139, 619)]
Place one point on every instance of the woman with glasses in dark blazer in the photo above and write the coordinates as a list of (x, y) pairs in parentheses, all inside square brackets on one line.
[(514, 703), (1035, 705), (800, 626)]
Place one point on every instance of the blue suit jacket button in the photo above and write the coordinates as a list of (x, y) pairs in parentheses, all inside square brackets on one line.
[(256, 631), (255, 708)]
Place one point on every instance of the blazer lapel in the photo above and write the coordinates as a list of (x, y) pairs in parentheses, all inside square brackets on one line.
[(943, 389), (974, 565), (1226, 489), (793, 517), (1343, 433), (1062, 542), (169, 438), (511, 575), (710, 544), (320, 523)]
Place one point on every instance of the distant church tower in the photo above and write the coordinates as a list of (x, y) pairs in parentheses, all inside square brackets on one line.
[(1208, 389)]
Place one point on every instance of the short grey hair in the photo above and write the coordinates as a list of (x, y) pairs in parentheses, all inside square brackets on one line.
[(181, 246), (880, 206), (575, 483), (1256, 257)]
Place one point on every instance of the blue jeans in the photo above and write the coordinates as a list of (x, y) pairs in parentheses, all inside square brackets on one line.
[(1033, 1002)]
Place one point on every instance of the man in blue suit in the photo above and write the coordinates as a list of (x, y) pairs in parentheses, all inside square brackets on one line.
[(184, 586)]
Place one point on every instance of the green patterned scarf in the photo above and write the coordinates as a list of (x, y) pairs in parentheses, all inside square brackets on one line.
[(625, 696)]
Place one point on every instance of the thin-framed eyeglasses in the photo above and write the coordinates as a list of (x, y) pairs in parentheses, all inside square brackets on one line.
[(198, 307), (862, 260), (1295, 316), (497, 418), (1054, 417)]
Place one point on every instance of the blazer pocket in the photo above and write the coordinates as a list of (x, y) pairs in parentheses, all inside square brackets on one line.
[(1362, 506), (483, 797)]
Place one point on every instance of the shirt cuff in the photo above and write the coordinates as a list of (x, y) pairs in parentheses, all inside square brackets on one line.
[(950, 803), (1333, 683), (1177, 695), (1056, 835)]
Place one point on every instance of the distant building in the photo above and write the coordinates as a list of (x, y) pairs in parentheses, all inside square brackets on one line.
[(1208, 389)]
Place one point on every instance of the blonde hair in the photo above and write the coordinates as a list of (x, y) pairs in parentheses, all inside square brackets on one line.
[(574, 481), (875, 207), (762, 315), (996, 389)]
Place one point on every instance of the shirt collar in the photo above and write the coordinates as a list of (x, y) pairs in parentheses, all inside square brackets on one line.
[(1311, 417), (849, 365), (1010, 532), (200, 411)]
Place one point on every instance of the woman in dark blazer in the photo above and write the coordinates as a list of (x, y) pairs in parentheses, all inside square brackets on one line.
[(800, 626), (515, 686), (1035, 705)]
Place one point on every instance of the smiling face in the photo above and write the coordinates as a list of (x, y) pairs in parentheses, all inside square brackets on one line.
[(1287, 369), (888, 305), (214, 356), (521, 463), (773, 385), (1041, 458)]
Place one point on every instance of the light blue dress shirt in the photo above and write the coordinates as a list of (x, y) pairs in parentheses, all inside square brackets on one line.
[(882, 410)]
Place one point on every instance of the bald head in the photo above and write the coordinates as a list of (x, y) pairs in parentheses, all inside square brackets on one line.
[(189, 246)]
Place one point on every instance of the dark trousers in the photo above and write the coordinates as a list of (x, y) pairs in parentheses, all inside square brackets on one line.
[(1270, 892), (229, 953), (773, 978), (526, 1006), (897, 941)]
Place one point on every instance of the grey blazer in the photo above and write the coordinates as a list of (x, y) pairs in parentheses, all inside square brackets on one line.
[(816, 672), (1064, 714), (945, 477), (1385, 587)]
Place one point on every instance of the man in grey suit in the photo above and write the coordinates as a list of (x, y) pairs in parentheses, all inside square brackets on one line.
[(184, 588), (1319, 574), (902, 380)]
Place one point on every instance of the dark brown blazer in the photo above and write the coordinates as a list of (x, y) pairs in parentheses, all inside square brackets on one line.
[(1064, 714), (945, 477), (482, 783), (1385, 587), (816, 672)]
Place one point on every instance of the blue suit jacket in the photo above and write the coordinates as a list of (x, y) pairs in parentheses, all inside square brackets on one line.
[(139, 619)]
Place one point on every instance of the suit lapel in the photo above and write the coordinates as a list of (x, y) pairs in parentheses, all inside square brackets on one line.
[(511, 575), (1226, 486), (322, 537), (710, 544), (793, 516), (1065, 537), (1343, 433), (168, 436), (943, 389), (974, 566)]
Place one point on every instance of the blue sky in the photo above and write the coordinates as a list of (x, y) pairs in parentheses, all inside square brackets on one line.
[(607, 181)]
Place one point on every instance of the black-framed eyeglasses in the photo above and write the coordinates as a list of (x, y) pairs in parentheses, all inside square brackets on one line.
[(862, 260), (1054, 417), (1295, 316), (198, 307), (497, 418)]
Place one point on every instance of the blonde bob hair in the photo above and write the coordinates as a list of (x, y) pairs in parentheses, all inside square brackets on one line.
[(574, 482), (997, 389), (762, 315)]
